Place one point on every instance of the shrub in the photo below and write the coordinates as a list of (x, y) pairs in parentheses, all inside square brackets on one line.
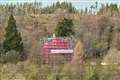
[(111, 70), (19, 71), (11, 56)]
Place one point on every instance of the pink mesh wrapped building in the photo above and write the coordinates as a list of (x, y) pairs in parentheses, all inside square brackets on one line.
[(57, 47)]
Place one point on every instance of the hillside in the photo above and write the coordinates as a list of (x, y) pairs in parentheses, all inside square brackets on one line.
[(96, 42)]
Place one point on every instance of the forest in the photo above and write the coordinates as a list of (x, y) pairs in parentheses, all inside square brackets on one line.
[(95, 33)]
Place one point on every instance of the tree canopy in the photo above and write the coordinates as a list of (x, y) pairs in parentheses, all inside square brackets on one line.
[(13, 40), (64, 28)]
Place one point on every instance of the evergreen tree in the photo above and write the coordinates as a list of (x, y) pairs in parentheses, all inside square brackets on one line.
[(13, 40), (86, 10), (58, 4), (71, 8), (64, 28)]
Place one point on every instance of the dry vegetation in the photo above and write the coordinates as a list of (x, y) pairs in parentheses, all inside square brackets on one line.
[(96, 41)]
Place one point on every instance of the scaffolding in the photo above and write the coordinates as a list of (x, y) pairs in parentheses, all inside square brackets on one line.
[(56, 50)]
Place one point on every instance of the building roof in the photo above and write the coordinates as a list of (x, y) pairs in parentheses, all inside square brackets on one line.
[(57, 43)]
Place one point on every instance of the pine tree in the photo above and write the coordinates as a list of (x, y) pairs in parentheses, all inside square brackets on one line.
[(64, 28), (13, 40), (58, 4)]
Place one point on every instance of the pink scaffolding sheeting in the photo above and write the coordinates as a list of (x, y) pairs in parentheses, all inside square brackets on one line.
[(56, 46)]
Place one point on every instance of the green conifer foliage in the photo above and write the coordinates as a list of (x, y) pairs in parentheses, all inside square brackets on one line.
[(13, 40), (64, 28)]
